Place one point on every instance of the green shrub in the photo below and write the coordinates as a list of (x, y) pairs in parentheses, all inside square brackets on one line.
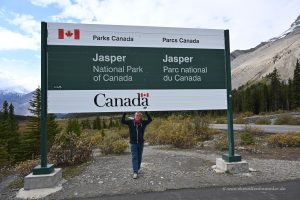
[(102, 133), (178, 131), (70, 149), (178, 135), (239, 120), (152, 131), (4, 156), (263, 121), (96, 139), (24, 168), (247, 138), (201, 128), (284, 140), (73, 126), (286, 119), (245, 114), (113, 144), (123, 133), (253, 130), (221, 144), (221, 120)]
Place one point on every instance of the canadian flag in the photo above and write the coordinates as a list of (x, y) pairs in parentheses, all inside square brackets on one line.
[(144, 94), (75, 34)]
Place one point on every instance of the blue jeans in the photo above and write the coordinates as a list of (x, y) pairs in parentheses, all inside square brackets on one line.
[(136, 153)]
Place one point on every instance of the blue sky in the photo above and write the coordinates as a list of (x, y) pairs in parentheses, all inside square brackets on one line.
[(249, 22)]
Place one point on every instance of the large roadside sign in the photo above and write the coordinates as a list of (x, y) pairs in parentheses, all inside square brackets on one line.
[(106, 68)]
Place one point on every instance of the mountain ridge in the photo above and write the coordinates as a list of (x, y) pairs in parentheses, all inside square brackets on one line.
[(19, 100), (279, 52)]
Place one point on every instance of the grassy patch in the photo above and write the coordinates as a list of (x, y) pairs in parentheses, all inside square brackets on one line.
[(5, 172), (221, 144), (247, 138), (284, 140), (72, 171), (17, 184), (247, 135), (179, 131), (221, 120), (286, 119), (25, 167), (239, 120), (263, 121), (113, 143)]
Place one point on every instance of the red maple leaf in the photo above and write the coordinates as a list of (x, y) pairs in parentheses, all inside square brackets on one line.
[(69, 34)]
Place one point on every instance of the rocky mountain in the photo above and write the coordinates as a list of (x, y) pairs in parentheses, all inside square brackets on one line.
[(19, 100), (280, 52)]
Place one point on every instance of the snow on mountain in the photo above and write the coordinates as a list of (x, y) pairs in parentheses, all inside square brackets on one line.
[(19, 100)]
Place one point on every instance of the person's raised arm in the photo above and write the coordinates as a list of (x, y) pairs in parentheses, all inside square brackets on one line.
[(123, 120), (149, 118)]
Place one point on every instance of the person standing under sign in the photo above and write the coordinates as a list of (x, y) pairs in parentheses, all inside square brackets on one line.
[(136, 132)]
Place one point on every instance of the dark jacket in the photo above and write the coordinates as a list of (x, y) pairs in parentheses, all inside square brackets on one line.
[(136, 132)]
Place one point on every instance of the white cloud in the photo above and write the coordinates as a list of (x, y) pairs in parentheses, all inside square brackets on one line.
[(26, 23), (250, 22), (27, 36), (10, 40), (18, 74), (44, 3)]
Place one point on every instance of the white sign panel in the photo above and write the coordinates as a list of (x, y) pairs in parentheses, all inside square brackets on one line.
[(106, 68)]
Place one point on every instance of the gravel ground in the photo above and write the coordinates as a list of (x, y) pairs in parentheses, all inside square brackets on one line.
[(164, 169)]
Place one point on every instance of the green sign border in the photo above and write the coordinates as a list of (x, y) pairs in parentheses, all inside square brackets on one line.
[(45, 168)]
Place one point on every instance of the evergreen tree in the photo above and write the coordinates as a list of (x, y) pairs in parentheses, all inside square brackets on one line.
[(104, 124), (117, 124), (290, 94), (256, 101), (13, 139), (97, 123), (52, 129), (73, 126), (296, 86), (4, 156), (110, 123), (267, 98), (284, 96), (270, 94), (5, 110), (274, 89), (4, 126), (86, 124), (30, 141)]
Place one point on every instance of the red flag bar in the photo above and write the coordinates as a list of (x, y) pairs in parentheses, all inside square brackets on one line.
[(76, 34), (61, 33)]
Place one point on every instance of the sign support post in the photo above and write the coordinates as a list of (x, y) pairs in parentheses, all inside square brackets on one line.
[(44, 167), (230, 156)]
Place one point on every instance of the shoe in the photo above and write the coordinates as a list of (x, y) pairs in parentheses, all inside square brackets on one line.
[(135, 175)]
